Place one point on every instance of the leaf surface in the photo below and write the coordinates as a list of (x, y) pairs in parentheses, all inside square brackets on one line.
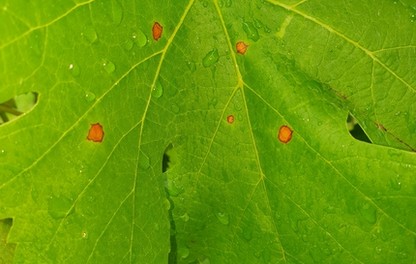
[(232, 191)]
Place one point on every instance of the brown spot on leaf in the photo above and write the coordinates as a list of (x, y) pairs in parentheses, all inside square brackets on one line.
[(96, 133)]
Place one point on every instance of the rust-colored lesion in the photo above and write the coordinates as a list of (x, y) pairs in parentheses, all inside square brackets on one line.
[(241, 47), (157, 31), (285, 134), (96, 133)]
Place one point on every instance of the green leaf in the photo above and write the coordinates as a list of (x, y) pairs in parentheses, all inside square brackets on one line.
[(190, 168)]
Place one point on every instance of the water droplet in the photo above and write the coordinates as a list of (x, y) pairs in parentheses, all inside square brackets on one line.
[(173, 189), (90, 35), (2, 152), (228, 3), (84, 234), (251, 31), (213, 102), (157, 90), (140, 38), (205, 261), (74, 69), (397, 113), (183, 252), (395, 183), (205, 3), (378, 250), (369, 213), (89, 96), (211, 58), (175, 108), (144, 161), (58, 206), (117, 12), (109, 67), (402, 255), (248, 234), (128, 44), (223, 218), (191, 66), (185, 217)]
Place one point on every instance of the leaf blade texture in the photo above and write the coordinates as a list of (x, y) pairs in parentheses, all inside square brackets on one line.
[(231, 191)]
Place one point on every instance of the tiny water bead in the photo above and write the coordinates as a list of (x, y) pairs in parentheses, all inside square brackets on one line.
[(89, 96), (251, 31), (117, 12), (157, 31), (241, 47), (185, 217), (223, 218), (74, 69), (139, 38), (84, 234), (175, 108), (58, 206), (157, 90), (96, 133), (90, 35), (211, 58), (285, 134), (183, 252), (109, 67), (128, 44)]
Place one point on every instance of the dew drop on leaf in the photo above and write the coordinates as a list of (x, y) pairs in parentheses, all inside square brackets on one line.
[(117, 12), (210, 58), (84, 234), (74, 69), (89, 96), (191, 66), (248, 234), (241, 47), (395, 183), (173, 189), (183, 252), (90, 35), (2, 152), (223, 218), (185, 217), (157, 90), (205, 261), (369, 213), (108, 66), (285, 134), (251, 31), (96, 133), (175, 108), (128, 44), (139, 38), (157, 31), (58, 206)]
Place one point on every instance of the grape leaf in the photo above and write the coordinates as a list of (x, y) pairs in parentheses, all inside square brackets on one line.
[(189, 166)]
